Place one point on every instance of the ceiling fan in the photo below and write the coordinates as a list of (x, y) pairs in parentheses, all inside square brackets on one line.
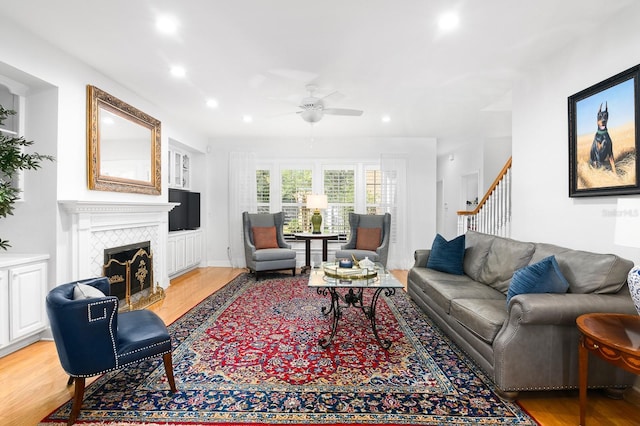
[(313, 108)]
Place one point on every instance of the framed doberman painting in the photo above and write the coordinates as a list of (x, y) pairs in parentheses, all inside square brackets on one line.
[(603, 137)]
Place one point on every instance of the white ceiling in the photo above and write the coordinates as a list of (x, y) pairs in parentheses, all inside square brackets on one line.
[(384, 57)]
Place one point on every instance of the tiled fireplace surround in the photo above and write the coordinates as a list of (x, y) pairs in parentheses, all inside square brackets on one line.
[(97, 225)]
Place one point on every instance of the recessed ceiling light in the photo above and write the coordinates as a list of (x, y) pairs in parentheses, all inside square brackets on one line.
[(247, 118), (449, 21), (178, 71), (167, 24), (385, 118), (212, 103)]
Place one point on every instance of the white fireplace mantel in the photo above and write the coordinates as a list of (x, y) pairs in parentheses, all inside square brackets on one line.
[(96, 225)]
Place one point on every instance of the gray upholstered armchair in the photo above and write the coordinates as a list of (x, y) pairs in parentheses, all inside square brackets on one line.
[(264, 245), (369, 238)]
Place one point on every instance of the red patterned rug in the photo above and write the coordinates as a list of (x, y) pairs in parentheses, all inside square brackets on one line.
[(249, 354)]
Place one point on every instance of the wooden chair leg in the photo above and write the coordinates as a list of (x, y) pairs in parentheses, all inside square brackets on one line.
[(77, 400), (168, 368), (70, 381)]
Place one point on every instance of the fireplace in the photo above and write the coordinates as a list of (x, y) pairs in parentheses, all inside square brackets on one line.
[(97, 225), (130, 272)]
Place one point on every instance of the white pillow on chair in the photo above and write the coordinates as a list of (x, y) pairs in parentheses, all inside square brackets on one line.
[(84, 291)]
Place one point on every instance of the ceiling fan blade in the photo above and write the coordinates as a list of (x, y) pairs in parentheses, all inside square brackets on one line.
[(343, 111), (282, 114)]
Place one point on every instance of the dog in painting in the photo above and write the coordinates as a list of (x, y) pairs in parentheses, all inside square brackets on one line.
[(602, 147)]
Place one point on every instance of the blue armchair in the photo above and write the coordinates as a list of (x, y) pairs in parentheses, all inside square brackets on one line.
[(92, 337)]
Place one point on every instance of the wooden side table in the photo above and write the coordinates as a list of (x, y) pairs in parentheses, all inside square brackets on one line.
[(307, 237), (613, 337)]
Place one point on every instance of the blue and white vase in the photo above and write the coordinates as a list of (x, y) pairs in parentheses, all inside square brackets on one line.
[(634, 286)]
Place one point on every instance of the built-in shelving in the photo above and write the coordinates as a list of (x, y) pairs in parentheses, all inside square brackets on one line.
[(184, 251)]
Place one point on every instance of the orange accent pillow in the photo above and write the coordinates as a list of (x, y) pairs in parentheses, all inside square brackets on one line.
[(264, 237), (368, 238)]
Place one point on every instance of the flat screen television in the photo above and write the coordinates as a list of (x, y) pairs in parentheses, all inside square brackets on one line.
[(193, 216), (187, 214)]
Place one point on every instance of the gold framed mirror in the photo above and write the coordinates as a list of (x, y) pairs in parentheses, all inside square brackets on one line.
[(123, 152)]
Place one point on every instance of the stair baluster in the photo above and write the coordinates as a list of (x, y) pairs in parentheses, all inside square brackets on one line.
[(493, 213)]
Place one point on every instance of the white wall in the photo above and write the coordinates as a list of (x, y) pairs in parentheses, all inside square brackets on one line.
[(496, 153), (465, 161), (421, 183), (31, 60), (542, 209)]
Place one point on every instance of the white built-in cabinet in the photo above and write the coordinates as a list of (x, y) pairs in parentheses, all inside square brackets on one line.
[(23, 289), (179, 169), (184, 251)]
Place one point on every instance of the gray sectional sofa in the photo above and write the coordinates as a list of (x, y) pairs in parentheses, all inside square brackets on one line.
[(531, 343)]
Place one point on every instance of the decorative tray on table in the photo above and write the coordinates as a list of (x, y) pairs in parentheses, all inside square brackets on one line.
[(333, 270)]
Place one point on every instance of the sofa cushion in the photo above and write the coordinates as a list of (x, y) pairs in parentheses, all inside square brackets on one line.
[(504, 258), (442, 287), (447, 256), (264, 237), (482, 317), (477, 248), (541, 277), (587, 272)]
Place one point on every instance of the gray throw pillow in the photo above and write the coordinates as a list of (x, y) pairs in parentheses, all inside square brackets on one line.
[(84, 291)]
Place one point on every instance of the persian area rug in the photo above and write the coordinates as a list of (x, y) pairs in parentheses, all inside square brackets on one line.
[(249, 354)]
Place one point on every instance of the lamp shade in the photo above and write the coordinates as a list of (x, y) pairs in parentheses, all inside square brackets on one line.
[(315, 201)]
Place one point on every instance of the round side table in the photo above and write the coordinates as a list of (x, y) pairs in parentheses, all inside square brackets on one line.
[(307, 237), (613, 337)]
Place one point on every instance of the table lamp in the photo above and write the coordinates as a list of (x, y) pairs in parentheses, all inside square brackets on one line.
[(316, 202)]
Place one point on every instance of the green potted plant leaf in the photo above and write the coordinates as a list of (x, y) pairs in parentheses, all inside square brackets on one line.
[(13, 159)]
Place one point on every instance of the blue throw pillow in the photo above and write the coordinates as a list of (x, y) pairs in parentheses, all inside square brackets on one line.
[(447, 256), (542, 277)]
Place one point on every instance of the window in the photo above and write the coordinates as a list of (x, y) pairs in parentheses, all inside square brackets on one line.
[(263, 184), (349, 188), (373, 190), (294, 186), (339, 186)]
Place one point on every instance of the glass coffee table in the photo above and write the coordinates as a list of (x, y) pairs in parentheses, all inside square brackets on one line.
[(346, 286)]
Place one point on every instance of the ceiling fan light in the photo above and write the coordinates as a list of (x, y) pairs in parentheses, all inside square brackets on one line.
[(311, 115)]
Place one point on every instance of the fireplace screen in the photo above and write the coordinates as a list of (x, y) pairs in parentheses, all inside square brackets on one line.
[(130, 272)]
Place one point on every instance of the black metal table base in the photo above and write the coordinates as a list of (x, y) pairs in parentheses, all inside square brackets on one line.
[(354, 299)]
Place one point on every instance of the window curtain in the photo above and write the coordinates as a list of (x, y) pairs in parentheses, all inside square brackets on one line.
[(242, 197), (394, 201)]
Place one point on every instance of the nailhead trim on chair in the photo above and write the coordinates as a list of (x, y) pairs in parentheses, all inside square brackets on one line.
[(145, 348), (91, 318), (121, 366), (113, 301)]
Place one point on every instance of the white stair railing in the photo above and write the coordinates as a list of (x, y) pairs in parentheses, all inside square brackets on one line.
[(493, 214)]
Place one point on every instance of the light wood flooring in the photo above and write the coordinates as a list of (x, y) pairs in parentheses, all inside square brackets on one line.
[(32, 383)]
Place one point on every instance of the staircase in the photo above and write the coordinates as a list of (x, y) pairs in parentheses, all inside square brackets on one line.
[(493, 213)]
